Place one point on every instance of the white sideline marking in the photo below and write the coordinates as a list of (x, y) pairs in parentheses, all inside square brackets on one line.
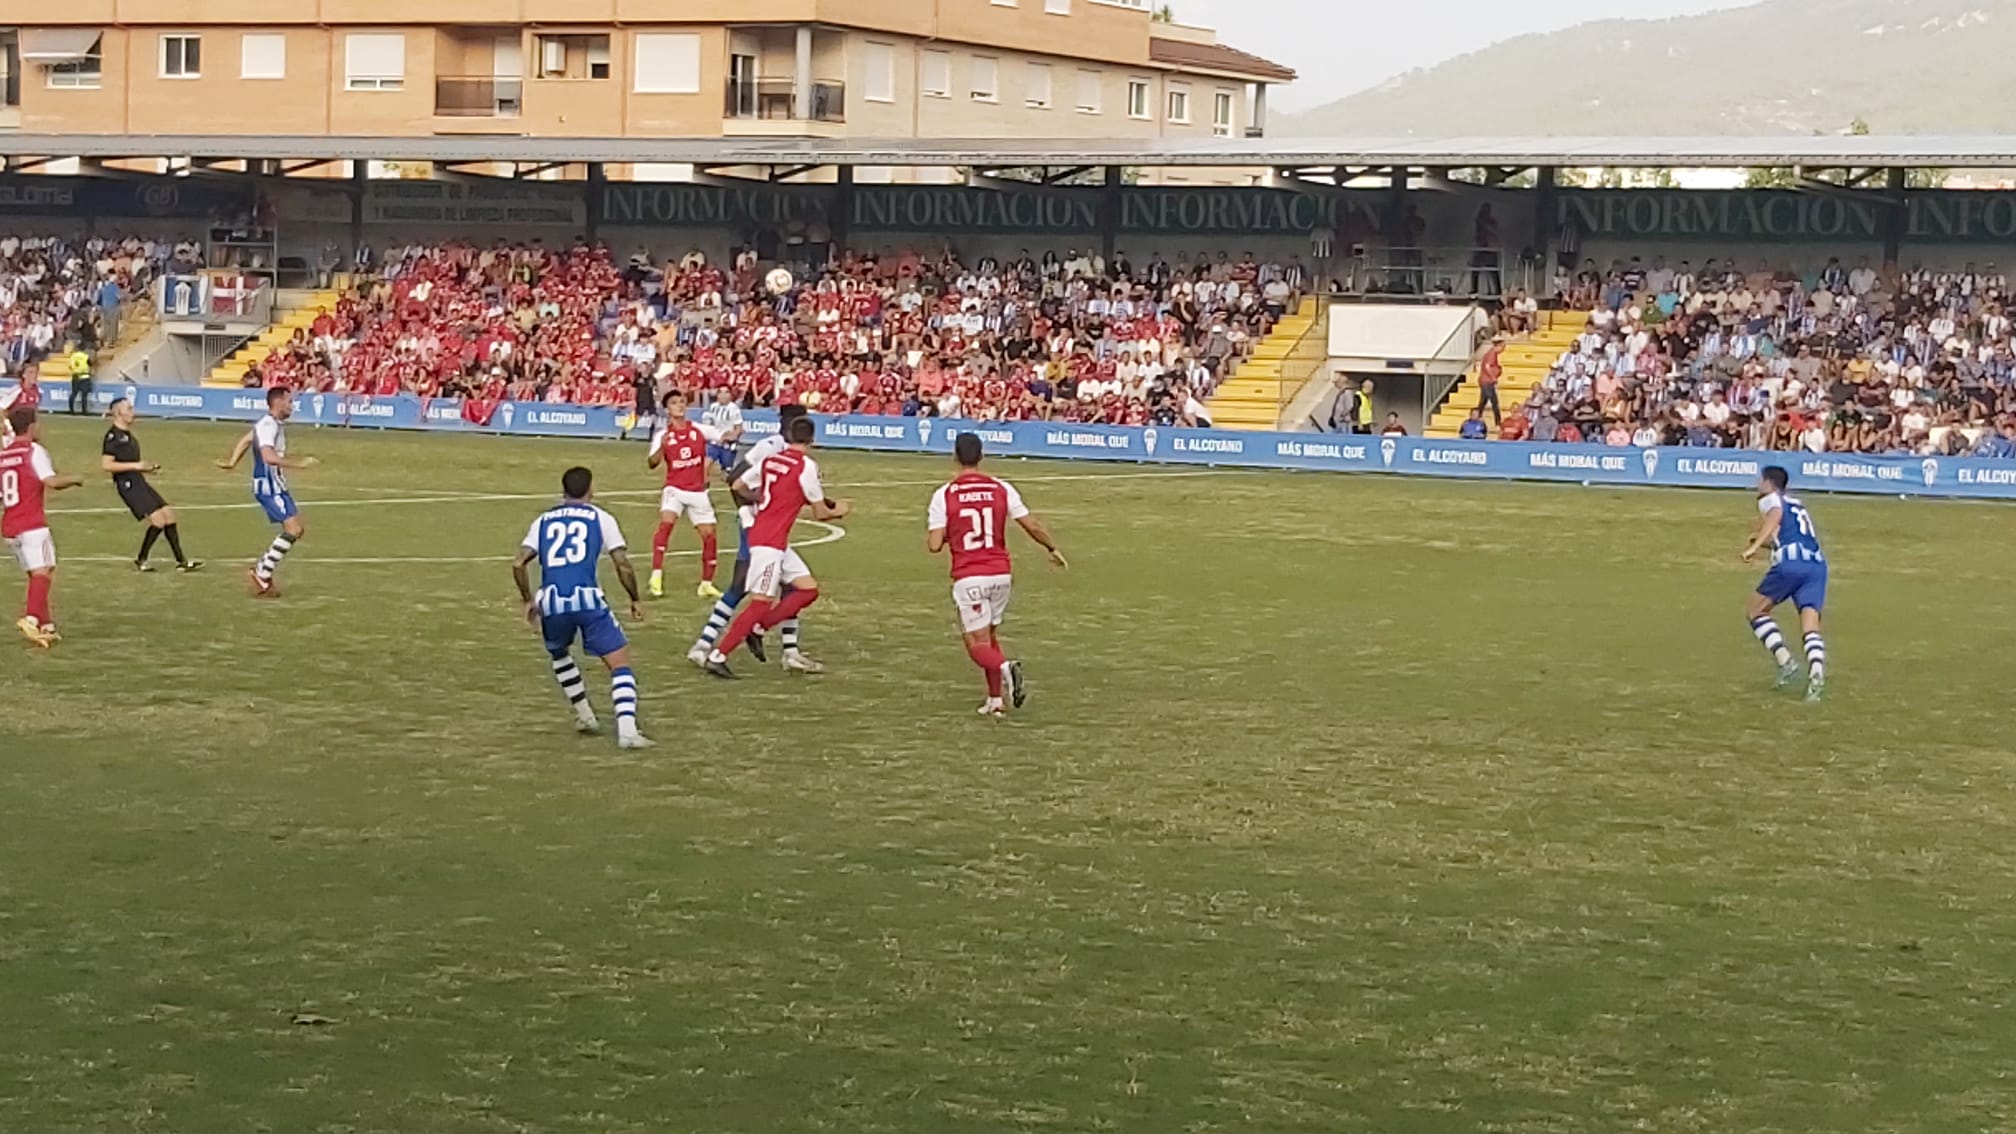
[(650, 493), (833, 534)]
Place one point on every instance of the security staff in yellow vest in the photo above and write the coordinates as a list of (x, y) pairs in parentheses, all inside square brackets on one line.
[(80, 381), (1365, 406)]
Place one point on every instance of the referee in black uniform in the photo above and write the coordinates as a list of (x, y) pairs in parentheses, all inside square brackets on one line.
[(129, 476)]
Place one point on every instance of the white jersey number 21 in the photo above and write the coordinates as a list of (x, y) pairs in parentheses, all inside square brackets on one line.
[(979, 529)]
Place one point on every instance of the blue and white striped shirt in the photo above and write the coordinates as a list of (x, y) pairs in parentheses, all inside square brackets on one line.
[(569, 541), (1798, 540)]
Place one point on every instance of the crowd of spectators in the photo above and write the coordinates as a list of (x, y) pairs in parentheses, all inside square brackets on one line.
[(1031, 338), (59, 291), (1835, 360)]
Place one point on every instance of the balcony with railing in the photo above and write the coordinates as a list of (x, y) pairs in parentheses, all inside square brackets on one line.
[(775, 101), (478, 96)]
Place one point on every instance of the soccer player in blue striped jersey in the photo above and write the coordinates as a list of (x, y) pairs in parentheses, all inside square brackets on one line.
[(1798, 574), (795, 660), (568, 541), (267, 442)]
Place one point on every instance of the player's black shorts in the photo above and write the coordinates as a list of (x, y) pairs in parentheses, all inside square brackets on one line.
[(139, 496)]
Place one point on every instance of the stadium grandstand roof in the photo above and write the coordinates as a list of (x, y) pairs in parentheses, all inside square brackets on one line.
[(1956, 151)]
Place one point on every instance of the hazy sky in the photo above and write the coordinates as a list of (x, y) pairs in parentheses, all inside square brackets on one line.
[(1344, 46)]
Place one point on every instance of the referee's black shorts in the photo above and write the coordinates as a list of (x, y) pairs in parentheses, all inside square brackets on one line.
[(138, 496)]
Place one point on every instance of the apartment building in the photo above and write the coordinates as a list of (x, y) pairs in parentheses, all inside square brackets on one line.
[(629, 68)]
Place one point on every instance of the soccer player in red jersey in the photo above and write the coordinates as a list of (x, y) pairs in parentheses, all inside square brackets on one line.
[(26, 474), (27, 395), (781, 486), (970, 515), (681, 446)]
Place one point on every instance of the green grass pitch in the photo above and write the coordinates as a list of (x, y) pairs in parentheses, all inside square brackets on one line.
[(1342, 804)]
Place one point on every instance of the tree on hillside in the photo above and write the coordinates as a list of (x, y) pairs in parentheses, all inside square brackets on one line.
[(1771, 177)]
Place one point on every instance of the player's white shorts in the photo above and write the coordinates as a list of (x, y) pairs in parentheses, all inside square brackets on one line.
[(35, 551), (982, 601), (772, 569), (697, 507)]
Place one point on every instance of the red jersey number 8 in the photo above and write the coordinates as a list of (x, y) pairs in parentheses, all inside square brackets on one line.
[(10, 488)]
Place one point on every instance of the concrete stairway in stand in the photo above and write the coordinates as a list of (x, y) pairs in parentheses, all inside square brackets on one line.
[(1524, 365), (1269, 378), (294, 311)]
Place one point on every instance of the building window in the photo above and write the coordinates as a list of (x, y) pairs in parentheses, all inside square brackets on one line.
[(1221, 114), (262, 56), (181, 56), (878, 65), (1179, 105), (374, 61), (986, 85), (1057, 7), (668, 64), (1137, 98), (937, 74), (572, 56), (1039, 86), (1088, 92), (72, 57)]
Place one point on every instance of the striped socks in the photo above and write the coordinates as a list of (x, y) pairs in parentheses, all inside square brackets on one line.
[(1816, 656), (270, 562), (789, 628), (569, 676), (717, 622), (623, 692), (1767, 632)]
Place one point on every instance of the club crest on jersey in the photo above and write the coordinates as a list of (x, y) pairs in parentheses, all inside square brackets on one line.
[(1387, 448), (1929, 469), (924, 431), (1650, 459), (1148, 439), (507, 411)]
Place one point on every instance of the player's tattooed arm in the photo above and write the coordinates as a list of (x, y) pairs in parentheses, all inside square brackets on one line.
[(523, 578), (627, 575)]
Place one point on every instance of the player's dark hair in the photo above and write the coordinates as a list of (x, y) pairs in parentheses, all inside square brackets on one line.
[(800, 430), (966, 447), (275, 394), (20, 418), (576, 483), (788, 414), (669, 395), (1777, 477), (115, 403)]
